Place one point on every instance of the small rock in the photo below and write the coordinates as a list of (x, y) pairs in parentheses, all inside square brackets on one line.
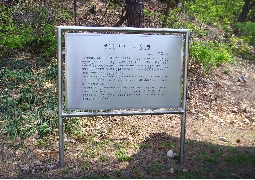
[(185, 170), (223, 139), (207, 81), (38, 163), (37, 136), (50, 167), (24, 168), (236, 176), (242, 79), (19, 153), (172, 170), (246, 121), (171, 154)]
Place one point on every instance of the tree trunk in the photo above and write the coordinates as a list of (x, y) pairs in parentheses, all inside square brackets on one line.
[(248, 5), (168, 5), (134, 12), (74, 9), (171, 4)]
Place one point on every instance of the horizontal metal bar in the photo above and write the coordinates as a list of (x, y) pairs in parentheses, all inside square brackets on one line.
[(121, 113), (122, 29)]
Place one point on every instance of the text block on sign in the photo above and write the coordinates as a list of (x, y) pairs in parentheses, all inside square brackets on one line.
[(123, 71)]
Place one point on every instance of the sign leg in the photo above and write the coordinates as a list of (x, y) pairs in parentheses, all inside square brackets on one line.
[(182, 141), (61, 142)]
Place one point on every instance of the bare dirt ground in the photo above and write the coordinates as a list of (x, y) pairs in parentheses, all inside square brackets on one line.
[(220, 134), (220, 126)]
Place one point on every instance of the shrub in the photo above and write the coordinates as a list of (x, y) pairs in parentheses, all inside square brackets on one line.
[(247, 31), (27, 28), (240, 47), (210, 54)]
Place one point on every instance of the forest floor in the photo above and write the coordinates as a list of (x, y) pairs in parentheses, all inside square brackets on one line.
[(220, 134)]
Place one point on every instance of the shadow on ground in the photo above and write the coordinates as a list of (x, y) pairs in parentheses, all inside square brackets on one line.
[(202, 160)]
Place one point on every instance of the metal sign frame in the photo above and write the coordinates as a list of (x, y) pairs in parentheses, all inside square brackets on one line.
[(64, 113)]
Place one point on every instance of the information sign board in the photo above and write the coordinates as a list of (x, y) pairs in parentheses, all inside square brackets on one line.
[(123, 71), (124, 74)]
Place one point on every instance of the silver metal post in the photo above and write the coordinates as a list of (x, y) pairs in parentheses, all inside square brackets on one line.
[(182, 141), (60, 100), (61, 143), (184, 102)]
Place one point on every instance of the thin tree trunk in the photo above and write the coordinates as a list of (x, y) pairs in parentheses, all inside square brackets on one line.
[(74, 9), (121, 21), (134, 12), (248, 5), (168, 5)]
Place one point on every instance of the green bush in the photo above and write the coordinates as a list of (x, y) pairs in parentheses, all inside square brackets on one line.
[(247, 31), (27, 28), (12, 37), (240, 47), (222, 13), (210, 54)]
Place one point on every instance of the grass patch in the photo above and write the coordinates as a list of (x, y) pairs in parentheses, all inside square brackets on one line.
[(142, 146), (166, 145), (238, 159), (118, 174), (247, 31), (187, 175), (122, 155), (103, 158), (28, 103), (156, 169), (85, 167), (139, 173), (227, 72)]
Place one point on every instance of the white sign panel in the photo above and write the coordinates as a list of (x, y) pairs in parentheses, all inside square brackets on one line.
[(123, 71)]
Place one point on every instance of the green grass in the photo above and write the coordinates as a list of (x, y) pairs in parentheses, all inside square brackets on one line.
[(85, 167), (142, 146), (28, 103), (167, 145), (238, 159), (103, 158), (139, 173), (66, 170), (247, 31), (156, 169), (118, 174), (122, 155), (187, 175), (226, 72)]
